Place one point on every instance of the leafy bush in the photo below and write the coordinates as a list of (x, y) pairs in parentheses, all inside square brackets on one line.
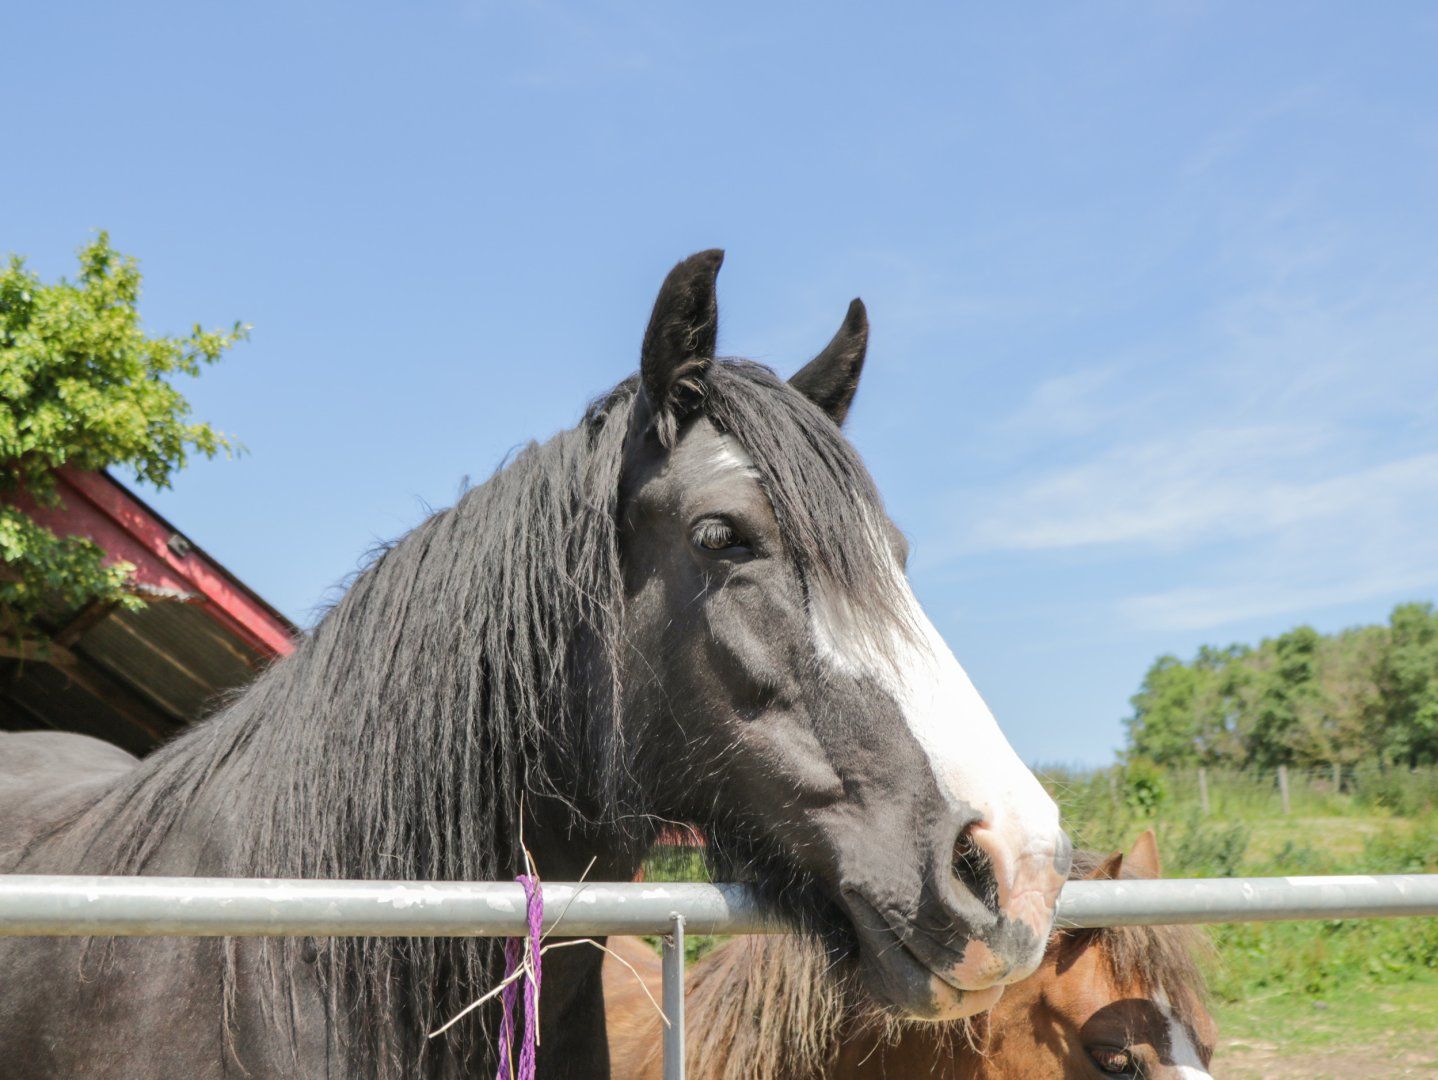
[(82, 384), (1406, 792), (1199, 847), (1145, 788), (1414, 851)]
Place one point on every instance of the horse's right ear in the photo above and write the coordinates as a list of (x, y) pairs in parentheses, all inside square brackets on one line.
[(1143, 858), (679, 343), (1108, 870)]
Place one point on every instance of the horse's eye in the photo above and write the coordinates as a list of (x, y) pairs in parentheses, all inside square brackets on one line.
[(1113, 1060), (717, 535)]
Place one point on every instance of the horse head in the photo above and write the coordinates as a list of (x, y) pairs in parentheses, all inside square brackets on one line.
[(1126, 1001), (789, 694)]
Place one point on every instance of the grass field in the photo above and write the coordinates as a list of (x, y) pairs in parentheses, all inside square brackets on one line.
[(1348, 999), (1342, 998), (1349, 1033)]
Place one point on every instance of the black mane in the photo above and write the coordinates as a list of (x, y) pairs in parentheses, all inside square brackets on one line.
[(469, 658)]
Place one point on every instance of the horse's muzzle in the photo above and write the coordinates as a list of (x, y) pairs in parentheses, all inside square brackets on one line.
[(1019, 880), (979, 923)]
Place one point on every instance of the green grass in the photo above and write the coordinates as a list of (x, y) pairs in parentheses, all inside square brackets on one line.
[(1349, 1032), (1295, 987), (1366, 986), (1402, 1013), (681, 864)]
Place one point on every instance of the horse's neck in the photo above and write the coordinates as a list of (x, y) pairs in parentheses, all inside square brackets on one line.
[(765, 1007), (399, 740), (203, 805), (180, 811), (564, 847)]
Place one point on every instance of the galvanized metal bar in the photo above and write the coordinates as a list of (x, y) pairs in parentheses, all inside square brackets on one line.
[(244, 907), (673, 993), (254, 907), (1213, 900)]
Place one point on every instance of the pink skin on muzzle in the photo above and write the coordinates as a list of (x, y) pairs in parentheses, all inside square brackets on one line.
[(1028, 883)]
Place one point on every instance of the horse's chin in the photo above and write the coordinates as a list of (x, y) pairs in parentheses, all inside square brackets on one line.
[(931, 1000), (951, 1004), (909, 990)]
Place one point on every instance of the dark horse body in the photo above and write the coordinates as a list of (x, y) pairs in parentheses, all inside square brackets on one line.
[(689, 607)]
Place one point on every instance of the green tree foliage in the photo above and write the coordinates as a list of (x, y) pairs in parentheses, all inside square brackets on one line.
[(1408, 681), (1164, 727), (82, 384), (1368, 694), (1286, 698), (1191, 714)]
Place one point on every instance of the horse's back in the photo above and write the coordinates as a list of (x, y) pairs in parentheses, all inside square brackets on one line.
[(109, 1008), (45, 777), (31, 756), (635, 1030)]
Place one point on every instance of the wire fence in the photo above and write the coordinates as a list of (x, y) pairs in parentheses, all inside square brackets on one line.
[(1314, 790)]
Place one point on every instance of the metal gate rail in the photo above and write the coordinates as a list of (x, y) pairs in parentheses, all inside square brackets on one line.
[(74, 905)]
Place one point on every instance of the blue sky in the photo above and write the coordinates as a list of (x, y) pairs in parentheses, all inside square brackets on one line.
[(1154, 287)]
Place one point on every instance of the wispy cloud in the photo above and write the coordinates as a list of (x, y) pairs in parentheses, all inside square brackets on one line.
[(1211, 484), (1203, 608), (1281, 460), (1073, 403), (1233, 139)]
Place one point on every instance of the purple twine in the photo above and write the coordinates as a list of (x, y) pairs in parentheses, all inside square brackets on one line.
[(513, 948)]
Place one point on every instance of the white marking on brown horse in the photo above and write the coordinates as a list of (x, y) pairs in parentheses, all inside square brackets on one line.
[(1183, 1053)]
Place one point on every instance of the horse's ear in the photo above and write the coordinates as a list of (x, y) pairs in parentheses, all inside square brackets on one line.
[(1143, 858), (679, 343), (831, 378), (1108, 870)]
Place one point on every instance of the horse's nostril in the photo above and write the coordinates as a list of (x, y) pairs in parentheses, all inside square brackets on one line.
[(964, 848), (974, 871)]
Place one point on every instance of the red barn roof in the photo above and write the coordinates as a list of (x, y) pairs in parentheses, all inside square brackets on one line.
[(136, 677)]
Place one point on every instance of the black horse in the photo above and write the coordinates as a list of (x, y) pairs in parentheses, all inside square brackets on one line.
[(690, 607)]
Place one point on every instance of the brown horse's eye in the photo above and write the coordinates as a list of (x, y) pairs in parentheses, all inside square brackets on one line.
[(1113, 1060), (718, 536)]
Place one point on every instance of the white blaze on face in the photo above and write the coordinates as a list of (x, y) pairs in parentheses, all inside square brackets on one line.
[(732, 456), (973, 764), (1182, 1052)]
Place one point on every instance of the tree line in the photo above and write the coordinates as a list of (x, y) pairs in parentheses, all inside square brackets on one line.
[(1366, 695)]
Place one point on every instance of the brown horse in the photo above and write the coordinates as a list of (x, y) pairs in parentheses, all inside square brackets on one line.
[(1124, 1001)]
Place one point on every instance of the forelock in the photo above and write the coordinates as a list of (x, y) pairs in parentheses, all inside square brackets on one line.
[(1166, 960), (829, 513)]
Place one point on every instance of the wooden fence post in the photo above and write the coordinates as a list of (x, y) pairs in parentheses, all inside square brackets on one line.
[(1203, 790), (1337, 778), (1283, 785)]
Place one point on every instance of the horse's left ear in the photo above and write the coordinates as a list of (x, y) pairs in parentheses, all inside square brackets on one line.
[(831, 378), (679, 343), (1143, 860)]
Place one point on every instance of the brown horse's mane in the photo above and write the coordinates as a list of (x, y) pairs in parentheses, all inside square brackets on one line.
[(777, 1006), (1157, 959)]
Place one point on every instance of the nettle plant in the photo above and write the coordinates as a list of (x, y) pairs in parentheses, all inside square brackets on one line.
[(82, 384)]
